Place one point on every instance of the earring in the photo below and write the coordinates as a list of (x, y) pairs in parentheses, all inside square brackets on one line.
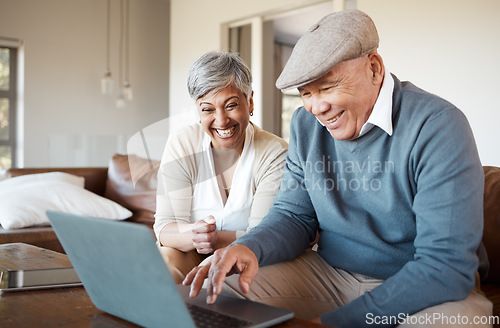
[(251, 113)]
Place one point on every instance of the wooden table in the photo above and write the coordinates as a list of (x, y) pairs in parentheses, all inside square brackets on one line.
[(61, 307)]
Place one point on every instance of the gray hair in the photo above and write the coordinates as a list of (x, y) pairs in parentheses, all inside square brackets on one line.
[(215, 71)]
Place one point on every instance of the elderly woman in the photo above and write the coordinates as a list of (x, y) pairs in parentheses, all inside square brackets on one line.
[(218, 178)]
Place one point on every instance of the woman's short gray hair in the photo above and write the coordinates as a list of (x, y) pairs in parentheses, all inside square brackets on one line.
[(217, 70)]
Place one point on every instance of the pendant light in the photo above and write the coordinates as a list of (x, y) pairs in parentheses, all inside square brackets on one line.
[(107, 80), (120, 101), (125, 87)]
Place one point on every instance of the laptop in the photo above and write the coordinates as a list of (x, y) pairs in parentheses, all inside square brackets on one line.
[(125, 275)]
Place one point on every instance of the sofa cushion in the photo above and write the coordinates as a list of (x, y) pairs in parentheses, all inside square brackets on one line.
[(491, 232), (132, 182), (24, 202)]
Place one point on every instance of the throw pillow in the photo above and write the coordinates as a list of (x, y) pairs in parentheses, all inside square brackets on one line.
[(23, 203)]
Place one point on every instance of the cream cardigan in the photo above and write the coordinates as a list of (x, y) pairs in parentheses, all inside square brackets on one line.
[(180, 170)]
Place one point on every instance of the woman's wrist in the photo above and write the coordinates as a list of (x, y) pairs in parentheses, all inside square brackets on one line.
[(177, 235)]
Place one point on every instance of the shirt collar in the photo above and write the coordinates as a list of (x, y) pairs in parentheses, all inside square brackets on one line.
[(381, 115)]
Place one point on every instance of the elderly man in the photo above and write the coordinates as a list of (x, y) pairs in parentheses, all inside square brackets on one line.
[(389, 176)]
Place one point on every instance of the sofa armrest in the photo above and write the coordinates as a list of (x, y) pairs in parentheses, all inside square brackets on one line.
[(492, 221), (95, 177)]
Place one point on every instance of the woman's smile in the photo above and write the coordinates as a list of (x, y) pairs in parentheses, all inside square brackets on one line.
[(225, 133)]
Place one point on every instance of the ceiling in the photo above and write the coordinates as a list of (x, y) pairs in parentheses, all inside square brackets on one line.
[(289, 27)]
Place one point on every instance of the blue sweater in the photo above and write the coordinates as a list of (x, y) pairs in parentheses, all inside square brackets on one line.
[(405, 208)]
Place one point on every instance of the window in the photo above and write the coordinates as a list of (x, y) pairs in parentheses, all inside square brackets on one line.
[(290, 101), (8, 65)]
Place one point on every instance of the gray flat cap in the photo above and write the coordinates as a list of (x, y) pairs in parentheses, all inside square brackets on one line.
[(335, 38)]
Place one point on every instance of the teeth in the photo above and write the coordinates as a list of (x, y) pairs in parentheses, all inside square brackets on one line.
[(225, 133), (334, 119)]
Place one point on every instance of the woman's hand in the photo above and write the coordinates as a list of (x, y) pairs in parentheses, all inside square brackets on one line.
[(204, 235)]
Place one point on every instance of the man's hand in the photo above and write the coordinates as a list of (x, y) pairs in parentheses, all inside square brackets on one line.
[(225, 261), (205, 235)]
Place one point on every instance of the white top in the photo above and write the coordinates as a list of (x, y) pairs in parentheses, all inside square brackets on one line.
[(187, 186), (207, 199)]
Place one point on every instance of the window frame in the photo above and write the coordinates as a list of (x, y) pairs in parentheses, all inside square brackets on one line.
[(11, 95)]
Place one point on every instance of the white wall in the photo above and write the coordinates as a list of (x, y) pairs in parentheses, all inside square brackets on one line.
[(449, 47), (67, 121)]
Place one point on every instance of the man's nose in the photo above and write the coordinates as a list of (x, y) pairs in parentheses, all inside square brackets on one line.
[(319, 106)]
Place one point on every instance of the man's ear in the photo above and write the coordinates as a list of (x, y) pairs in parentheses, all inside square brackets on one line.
[(377, 67)]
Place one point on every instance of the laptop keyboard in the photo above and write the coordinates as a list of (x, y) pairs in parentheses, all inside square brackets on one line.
[(204, 318)]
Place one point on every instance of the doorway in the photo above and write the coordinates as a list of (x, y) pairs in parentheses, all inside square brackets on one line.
[(265, 43)]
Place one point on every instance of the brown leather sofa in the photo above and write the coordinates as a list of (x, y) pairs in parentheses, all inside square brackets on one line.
[(116, 183), (491, 236)]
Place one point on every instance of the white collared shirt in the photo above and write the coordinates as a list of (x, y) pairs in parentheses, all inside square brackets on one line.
[(381, 115)]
